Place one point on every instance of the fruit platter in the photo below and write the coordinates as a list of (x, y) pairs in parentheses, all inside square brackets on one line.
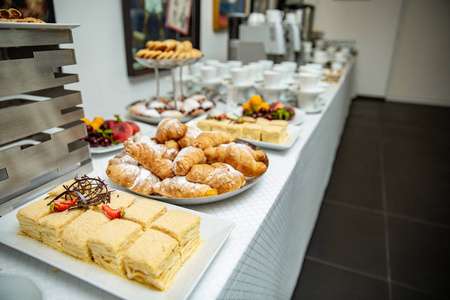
[(256, 107), (108, 135)]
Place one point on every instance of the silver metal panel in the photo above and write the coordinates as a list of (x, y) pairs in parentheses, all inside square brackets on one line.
[(39, 115), (21, 38), (35, 73)]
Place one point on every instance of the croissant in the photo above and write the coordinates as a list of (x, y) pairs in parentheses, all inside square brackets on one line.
[(179, 187), (187, 157), (131, 176), (218, 175), (213, 139), (189, 137), (140, 137), (169, 129), (239, 156), (150, 157), (172, 144)]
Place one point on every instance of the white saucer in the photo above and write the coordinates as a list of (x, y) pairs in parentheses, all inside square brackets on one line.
[(272, 89), (315, 91), (245, 85), (317, 109)]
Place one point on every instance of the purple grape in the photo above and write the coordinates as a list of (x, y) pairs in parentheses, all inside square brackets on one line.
[(263, 110), (89, 129), (104, 126), (268, 117), (254, 115), (260, 114), (105, 142), (93, 141)]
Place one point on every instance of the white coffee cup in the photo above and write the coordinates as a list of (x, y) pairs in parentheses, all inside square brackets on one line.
[(284, 70), (336, 65), (314, 66), (239, 76), (307, 102), (266, 64), (290, 65), (308, 81), (309, 70), (331, 51), (184, 75), (257, 69), (195, 69), (208, 74), (307, 46), (320, 44), (223, 70), (272, 79), (340, 57), (320, 57), (234, 64)]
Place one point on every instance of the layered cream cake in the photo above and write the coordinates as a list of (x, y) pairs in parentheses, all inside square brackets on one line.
[(183, 227), (29, 216), (252, 131), (60, 188), (110, 241), (144, 212), (75, 236), (52, 225), (118, 200), (154, 258)]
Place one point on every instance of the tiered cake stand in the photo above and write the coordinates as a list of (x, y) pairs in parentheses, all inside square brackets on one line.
[(157, 64)]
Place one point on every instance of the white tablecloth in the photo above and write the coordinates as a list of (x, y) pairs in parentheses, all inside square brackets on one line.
[(275, 218)]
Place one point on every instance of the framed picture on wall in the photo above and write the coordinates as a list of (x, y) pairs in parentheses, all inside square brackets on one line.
[(145, 20), (221, 10)]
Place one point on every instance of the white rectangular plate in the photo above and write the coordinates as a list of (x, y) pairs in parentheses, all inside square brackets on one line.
[(213, 232), (19, 25), (292, 130)]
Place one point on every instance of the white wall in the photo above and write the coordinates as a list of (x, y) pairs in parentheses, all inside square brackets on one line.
[(373, 24), (422, 63)]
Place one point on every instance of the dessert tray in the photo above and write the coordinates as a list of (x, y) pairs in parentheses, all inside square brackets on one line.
[(250, 181), (293, 132), (214, 231)]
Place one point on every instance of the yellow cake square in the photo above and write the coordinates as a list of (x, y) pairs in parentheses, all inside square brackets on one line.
[(109, 242), (144, 212), (252, 132), (29, 216), (235, 129), (273, 134)]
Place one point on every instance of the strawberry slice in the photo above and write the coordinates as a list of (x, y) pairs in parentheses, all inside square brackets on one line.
[(113, 213), (135, 127), (62, 205)]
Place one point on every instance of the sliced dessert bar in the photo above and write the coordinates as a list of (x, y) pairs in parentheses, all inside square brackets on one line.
[(144, 212), (52, 225), (118, 200), (29, 216), (183, 227), (205, 124), (252, 132), (273, 134), (235, 129), (110, 241), (76, 234), (154, 258)]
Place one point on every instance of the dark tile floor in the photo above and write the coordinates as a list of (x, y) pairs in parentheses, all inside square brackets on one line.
[(383, 230)]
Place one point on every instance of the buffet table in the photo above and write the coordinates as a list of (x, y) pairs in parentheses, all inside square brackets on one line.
[(275, 218)]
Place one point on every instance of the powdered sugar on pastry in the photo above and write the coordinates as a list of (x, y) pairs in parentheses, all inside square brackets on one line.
[(187, 157), (179, 187), (188, 139)]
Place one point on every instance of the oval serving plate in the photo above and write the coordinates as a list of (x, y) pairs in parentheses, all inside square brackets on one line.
[(166, 63), (155, 121), (250, 181)]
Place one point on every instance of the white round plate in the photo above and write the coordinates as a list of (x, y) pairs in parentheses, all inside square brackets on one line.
[(155, 121), (101, 150), (315, 91), (272, 89)]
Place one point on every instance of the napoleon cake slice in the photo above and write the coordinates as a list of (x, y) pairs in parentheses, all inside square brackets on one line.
[(183, 227), (77, 233), (153, 259), (144, 212), (110, 241), (61, 188), (29, 216), (118, 200), (52, 225)]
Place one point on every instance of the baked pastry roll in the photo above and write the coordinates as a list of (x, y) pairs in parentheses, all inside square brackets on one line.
[(110, 241), (179, 187), (29, 216), (217, 175), (188, 139), (150, 157), (144, 212), (183, 227), (154, 259), (169, 129), (239, 156), (131, 176), (187, 157), (213, 139), (75, 236), (52, 226)]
